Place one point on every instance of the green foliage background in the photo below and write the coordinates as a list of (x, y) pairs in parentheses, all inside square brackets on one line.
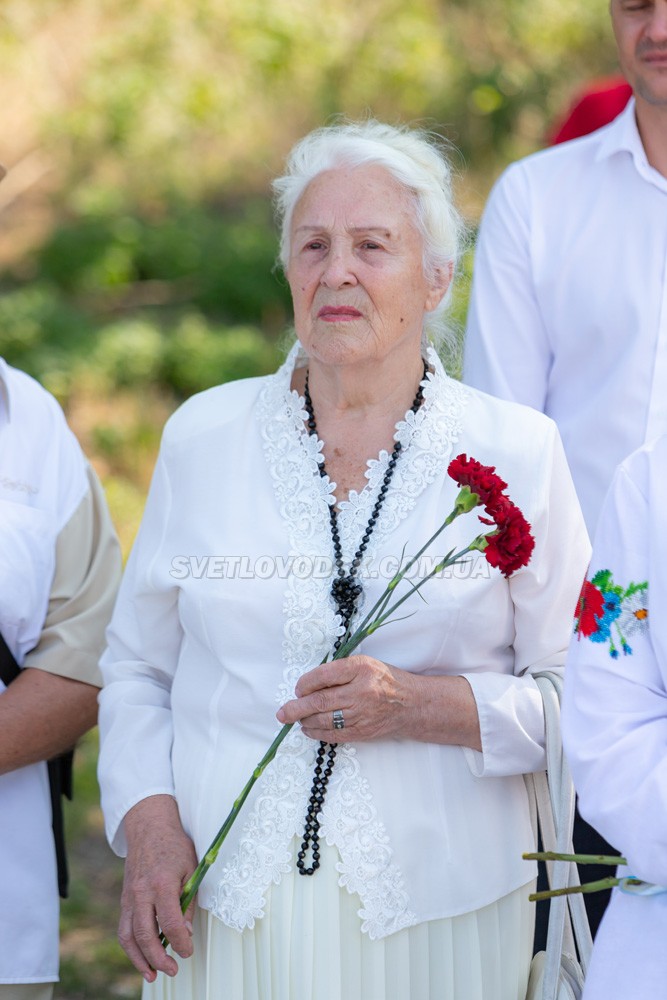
[(136, 241)]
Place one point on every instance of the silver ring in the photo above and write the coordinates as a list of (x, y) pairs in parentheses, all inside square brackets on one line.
[(338, 720)]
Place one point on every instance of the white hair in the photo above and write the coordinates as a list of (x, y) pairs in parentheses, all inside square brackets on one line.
[(415, 158)]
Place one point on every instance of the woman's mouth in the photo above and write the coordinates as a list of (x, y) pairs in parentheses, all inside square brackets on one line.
[(336, 314)]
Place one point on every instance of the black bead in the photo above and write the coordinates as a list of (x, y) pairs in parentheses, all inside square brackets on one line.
[(345, 591)]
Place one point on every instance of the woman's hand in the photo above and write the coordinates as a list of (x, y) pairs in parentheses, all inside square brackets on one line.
[(160, 859), (372, 696), (379, 701)]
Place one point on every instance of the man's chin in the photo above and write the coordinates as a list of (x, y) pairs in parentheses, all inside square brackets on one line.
[(654, 92)]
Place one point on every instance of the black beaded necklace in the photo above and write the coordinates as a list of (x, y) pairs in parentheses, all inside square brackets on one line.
[(346, 591)]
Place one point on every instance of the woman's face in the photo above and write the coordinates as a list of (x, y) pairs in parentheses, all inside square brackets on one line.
[(355, 268)]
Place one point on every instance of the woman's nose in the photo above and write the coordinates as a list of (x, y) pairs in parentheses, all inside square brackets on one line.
[(338, 270)]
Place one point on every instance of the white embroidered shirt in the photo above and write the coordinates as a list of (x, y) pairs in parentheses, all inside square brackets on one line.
[(615, 720)]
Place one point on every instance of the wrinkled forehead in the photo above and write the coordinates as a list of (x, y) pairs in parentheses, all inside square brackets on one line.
[(365, 195)]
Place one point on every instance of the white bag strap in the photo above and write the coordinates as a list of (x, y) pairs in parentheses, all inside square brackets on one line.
[(555, 800)]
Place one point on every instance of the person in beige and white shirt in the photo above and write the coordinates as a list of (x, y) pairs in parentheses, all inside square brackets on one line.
[(59, 569)]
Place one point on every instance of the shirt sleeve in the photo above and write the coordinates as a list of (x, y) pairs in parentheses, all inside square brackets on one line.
[(544, 596), (507, 351), (87, 572), (615, 704), (138, 667)]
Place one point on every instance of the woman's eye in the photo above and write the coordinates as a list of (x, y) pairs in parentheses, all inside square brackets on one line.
[(370, 245), (314, 245)]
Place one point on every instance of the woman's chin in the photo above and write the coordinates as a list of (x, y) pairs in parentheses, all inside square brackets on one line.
[(339, 345)]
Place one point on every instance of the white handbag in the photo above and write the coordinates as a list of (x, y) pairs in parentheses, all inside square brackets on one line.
[(558, 973)]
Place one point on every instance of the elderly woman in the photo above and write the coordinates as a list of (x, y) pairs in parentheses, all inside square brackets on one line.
[(379, 856)]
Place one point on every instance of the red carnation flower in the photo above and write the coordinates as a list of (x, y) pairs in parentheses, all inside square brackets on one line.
[(511, 546), (481, 479), (590, 609)]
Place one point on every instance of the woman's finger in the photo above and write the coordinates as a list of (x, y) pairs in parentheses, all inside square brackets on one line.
[(323, 725), (328, 675), (131, 948), (138, 934)]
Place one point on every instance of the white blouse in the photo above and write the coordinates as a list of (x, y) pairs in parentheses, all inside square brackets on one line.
[(225, 603)]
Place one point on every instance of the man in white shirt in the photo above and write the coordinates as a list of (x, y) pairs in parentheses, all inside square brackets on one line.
[(59, 569), (569, 300)]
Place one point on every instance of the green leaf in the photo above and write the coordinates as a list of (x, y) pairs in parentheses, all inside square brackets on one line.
[(602, 579)]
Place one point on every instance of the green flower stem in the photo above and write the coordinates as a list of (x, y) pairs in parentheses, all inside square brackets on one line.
[(443, 564), (603, 883), (580, 859), (384, 599), (192, 885)]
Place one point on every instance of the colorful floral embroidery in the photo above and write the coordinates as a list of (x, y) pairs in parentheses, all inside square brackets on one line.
[(607, 612)]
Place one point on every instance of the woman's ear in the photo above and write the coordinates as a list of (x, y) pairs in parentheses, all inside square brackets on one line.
[(441, 282)]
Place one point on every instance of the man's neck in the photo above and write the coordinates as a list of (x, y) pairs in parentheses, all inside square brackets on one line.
[(652, 125)]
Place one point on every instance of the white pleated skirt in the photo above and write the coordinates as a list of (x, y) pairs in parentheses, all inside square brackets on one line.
[(309, 946)]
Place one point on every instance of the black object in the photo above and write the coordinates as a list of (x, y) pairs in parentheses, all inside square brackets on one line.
[(60, 777), (345, 591), (586, 840)]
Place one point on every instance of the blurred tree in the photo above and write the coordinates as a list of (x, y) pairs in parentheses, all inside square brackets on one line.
[(137, 99), (143, 135)]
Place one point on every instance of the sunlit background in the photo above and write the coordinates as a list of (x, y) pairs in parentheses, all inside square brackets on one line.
[(136, 241)]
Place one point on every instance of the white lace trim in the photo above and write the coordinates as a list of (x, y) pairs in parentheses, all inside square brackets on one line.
[(349, 818)]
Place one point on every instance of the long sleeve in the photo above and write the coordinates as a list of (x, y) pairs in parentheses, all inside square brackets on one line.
[(544, 596), (615, 707), (507, 352), (144, 640)]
